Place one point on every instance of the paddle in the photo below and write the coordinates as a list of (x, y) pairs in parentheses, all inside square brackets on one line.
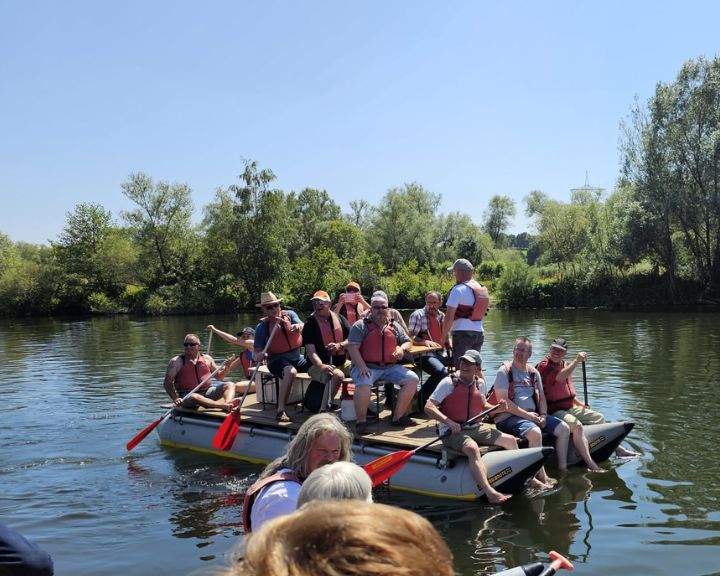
[(584, 383), (140, 436), (382, 468), (229, 429)]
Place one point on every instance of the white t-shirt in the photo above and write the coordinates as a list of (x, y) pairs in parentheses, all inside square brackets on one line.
[(444, 389), (463, 294), (274, 500)]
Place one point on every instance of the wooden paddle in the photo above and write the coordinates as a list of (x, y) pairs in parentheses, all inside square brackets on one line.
[(140, 436), (382, 468), (584, 383), (230, 428)]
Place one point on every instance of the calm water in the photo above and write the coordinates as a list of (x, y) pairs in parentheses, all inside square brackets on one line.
[(75, 392)]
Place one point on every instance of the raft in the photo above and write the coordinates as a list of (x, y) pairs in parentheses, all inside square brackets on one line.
[(432, 472)]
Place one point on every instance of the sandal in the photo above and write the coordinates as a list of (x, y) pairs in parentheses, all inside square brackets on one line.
[(403, 421), (282, 418)]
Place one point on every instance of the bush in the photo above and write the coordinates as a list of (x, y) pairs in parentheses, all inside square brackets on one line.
[(516, 286)]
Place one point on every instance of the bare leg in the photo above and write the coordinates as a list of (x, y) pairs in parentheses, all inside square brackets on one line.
[(581, 445), (562, 435), (534, 438), (479, 473), (362, 399), (405, 396), (285, 384), (625, 453)]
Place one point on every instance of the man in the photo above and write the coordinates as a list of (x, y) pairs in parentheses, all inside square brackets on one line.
[(283, 356), (562, 398), (321, 440), (244, 339), (377, 346), (466, 306), (185, 371), (426, 330), (351, 303), (520, 385), (325, 337), (457, 399)]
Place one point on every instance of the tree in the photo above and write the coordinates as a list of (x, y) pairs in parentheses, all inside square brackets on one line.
[(497, 217), (161, 225), (310, 210), (401, 227), (260, 231), (671, 161)]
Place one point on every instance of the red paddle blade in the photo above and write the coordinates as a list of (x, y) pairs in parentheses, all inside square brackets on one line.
[(228, 431), (382, 468), (141, 435)]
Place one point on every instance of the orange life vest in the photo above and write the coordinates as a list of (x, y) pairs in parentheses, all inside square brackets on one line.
[(284, 340), (464, 402), (330, 331), (190, 375), (255, 489), (559, 395), (247, 362), (379, 344), (507, 367), (434, 331), (350, 311), (478, 309)]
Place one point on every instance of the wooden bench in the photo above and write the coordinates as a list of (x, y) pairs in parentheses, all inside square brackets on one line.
[(268, 387)]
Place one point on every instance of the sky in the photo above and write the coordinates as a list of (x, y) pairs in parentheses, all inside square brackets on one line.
[(470, 99)]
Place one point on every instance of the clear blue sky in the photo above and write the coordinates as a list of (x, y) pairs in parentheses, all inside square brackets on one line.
[(470, 99)]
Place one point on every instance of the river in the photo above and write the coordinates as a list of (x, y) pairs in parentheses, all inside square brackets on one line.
[(74, 392)]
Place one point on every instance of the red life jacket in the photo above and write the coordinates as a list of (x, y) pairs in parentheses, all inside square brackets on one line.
[(190, 375), (284, 340), (478, 309), (330, 331), (559, 395), (507, 366), (350, 311), (379, 344), (434, 331), (255, 489), (464, 401), (246, 360)]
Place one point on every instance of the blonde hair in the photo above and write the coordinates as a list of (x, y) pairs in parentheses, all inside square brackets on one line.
[(336, 481), (296, 455), (345, 538)]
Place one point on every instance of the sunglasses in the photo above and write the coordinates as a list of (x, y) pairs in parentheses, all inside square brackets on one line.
[(351, 290), (379, 307), (191, 343), (271, 306)]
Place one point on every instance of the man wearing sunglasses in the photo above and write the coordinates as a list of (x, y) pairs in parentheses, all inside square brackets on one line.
[(283, 356), (187, 370)]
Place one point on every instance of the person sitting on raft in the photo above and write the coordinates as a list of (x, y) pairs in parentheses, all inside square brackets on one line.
[(351, 304), (520, 385), (562, 399), (377, 346), (185, 371), (244, 339), (325, 337), (426, 330), (457, 399), (283, 356)]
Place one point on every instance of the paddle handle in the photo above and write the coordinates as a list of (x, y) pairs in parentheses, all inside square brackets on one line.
[(584, 383), (558, 561), (140, 436)]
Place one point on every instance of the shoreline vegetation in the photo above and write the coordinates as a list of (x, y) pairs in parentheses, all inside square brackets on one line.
[(651, 243)]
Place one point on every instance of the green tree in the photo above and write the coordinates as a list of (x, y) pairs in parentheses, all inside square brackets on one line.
[(260, 231), (310, 210), (671, 160), (401, 226), (161, 224), (497, 217)]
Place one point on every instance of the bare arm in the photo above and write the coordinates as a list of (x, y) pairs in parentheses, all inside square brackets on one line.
[(432, 410), (169, 382)]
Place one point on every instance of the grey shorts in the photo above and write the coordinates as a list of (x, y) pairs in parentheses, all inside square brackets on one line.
[(213, 393), (322, 376), (484, 435)]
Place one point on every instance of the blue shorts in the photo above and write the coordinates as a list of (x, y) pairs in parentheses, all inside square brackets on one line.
[(276, 366), (519, 426), (395, 373)]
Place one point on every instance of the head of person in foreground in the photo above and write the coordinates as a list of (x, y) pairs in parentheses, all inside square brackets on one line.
[(336, 481), (348, 538)]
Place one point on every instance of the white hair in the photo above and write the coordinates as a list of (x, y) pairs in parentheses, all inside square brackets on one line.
[(336, 481)]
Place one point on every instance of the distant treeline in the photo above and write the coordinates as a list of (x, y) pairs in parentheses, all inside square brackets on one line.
[(654, 241)]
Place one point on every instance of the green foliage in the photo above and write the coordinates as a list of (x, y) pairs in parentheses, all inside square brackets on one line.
[(516, 284), (497, 217), (489, 270)]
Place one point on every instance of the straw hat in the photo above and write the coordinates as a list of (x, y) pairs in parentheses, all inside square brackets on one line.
[(268, 298)]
